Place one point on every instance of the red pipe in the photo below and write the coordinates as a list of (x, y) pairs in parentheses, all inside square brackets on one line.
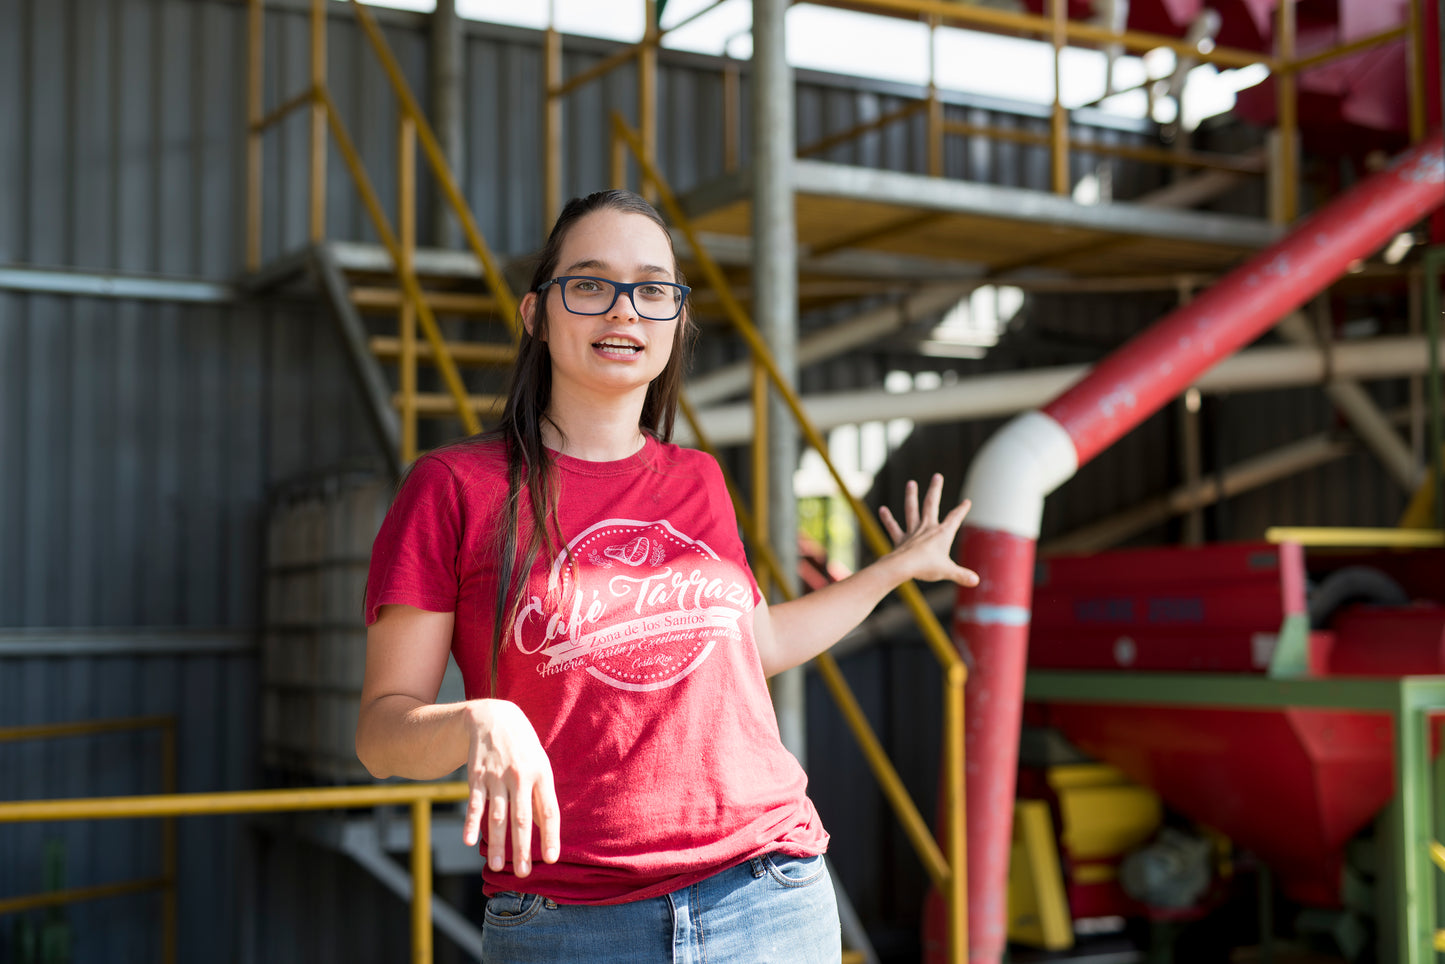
[(1136, 381), (1031, 456)]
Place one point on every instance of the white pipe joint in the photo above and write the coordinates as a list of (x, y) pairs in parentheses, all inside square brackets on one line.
[(1015, 470)]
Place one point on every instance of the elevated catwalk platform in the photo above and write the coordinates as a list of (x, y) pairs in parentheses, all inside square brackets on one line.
[(911, 226)]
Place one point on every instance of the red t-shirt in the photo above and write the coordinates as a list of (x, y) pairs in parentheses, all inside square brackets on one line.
[(638, 669)]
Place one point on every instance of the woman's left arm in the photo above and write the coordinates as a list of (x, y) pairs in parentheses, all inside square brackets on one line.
[(791, 633)]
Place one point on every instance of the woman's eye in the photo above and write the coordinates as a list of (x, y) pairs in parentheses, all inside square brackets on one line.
[(586, 286), (652, 291)]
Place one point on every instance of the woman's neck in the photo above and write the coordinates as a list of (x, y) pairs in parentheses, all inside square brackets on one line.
[(593, 433)]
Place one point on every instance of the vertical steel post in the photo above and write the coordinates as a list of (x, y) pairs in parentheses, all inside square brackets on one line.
[(255, 87), (1286, 204), (618, 165), (406, 231), (955, 797), (732, 94), (1436, 436), (1416, 40), (318, 120), (552, 126), (170, 860), (421, 936), (775, 305), (647, 91), (1059, 119), (761, 516), (935, 105), (1408, 816), (447, 65)]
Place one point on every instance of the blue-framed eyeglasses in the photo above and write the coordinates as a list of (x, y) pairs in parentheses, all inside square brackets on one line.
[(587, 295)]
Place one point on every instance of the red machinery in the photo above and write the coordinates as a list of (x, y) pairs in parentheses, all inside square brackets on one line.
[(1291, 785)]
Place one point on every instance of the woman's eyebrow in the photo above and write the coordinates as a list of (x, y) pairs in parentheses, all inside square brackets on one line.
[(587, 264), (593, 264)]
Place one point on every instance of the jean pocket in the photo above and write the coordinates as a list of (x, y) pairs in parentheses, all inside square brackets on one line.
[(510, 908), (795, 871)]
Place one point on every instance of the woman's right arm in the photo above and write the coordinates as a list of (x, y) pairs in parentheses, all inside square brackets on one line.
[(402, 731)]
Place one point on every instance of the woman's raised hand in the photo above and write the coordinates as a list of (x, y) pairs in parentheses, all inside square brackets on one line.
[(925, 541), (512, 787)]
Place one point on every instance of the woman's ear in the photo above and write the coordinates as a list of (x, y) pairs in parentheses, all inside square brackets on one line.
[(528, 310)]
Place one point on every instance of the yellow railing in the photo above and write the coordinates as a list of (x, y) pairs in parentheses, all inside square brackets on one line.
[(419, 796), (166, 882), (413, 127), (947, 870), (1357, 537)]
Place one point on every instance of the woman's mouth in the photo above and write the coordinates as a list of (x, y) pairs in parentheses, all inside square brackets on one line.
[(621, 348)]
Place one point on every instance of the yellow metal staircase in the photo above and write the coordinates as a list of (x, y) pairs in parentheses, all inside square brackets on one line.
[(394, 279)]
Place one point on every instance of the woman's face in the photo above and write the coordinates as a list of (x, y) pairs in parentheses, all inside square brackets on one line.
[(618, 352)]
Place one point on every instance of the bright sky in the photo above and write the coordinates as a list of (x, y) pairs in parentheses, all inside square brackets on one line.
[(888, 48)]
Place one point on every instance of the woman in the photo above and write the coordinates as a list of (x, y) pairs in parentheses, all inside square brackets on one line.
[(628, 784)]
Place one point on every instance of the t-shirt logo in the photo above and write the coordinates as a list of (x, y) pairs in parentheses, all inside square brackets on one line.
[(642, 606)]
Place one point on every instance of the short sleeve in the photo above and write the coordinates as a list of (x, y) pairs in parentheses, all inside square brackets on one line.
[(414, 558), (722, 502)]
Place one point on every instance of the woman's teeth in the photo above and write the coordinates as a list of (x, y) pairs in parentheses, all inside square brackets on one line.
[(621, 347)]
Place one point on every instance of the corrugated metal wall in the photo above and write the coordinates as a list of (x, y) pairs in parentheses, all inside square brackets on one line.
[(204, 681), (142, 439)]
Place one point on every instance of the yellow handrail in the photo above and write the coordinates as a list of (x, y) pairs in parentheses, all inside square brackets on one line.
[(419, 796), (166, 882), (951, 876), (1357, 537)]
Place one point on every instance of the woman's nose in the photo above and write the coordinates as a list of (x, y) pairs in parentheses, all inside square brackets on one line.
[(623, 308)]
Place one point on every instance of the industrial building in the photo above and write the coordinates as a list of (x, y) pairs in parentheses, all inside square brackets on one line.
[(256, 255)]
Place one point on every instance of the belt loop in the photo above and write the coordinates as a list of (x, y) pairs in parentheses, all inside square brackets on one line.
[(758, 868)]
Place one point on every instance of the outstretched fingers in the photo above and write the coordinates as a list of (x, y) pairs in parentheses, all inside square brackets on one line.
[(926, 540), (512, 790)]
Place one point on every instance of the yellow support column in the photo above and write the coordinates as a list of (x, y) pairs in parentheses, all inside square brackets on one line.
[(1059, 120), (170, 917), (421, 936), (1418, 81)]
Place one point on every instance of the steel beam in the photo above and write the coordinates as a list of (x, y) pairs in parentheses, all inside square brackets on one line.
[(1007, 393), (775, 306), (447, 44), (105, 285)]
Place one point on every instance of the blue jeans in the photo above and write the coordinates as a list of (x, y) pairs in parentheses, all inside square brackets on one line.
[(773, 908)]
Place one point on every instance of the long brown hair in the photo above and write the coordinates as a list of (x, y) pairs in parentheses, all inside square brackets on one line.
[(529, 463)]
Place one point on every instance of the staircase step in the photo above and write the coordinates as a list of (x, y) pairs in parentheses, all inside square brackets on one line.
[(450, 302), (440, 404), (388, 348)]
